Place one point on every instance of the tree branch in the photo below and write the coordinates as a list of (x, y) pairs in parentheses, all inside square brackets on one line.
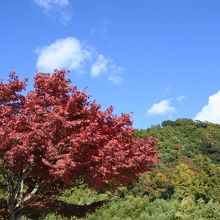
[(30, 197)]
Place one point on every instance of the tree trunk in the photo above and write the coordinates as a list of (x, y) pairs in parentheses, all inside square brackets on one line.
[(11, 211), (11, 205), (15, 195), (14, 214), (17, 200), (14, 209)]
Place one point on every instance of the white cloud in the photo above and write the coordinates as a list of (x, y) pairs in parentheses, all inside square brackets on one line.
[(55, 9), (211, 111), (67, 53), (116, 79), (72, 54), (100, 66), (104, 65), (47, 4), (162, 108), (180, 99)]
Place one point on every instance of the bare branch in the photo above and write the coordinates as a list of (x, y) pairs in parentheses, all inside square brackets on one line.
[(31, 197)]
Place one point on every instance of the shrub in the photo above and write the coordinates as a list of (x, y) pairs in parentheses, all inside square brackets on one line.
[(82, 195)]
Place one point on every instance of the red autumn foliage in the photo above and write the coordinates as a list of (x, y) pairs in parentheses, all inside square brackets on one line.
[(55, 133)]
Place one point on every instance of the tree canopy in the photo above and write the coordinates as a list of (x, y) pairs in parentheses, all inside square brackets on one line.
[(55, 134)]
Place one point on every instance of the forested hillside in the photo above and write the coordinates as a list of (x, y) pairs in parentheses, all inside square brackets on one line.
[(185, 185), (185, 138)]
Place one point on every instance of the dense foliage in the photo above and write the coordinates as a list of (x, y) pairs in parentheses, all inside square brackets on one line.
[(54, 135), (131, 208), (186, 185), (185, 138), (81, 194)]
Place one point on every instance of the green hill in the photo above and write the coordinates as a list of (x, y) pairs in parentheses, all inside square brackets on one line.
[(185, 138)]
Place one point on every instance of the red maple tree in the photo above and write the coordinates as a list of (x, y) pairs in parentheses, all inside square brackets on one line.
[(55, 134)]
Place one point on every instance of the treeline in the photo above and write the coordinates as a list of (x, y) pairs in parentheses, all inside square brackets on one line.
[(185, 138)]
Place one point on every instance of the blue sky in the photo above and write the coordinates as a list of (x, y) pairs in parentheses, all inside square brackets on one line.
[(157, 59)]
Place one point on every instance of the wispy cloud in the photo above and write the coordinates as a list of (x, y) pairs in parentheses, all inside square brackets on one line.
[(116, 79), (164, 107), (180, 99), (105, 24), (56, 9), (73, 54), (47, 4), (211, 111), (100, 66), (67, 53), (101, 28), (104, 65), (167, 90)]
